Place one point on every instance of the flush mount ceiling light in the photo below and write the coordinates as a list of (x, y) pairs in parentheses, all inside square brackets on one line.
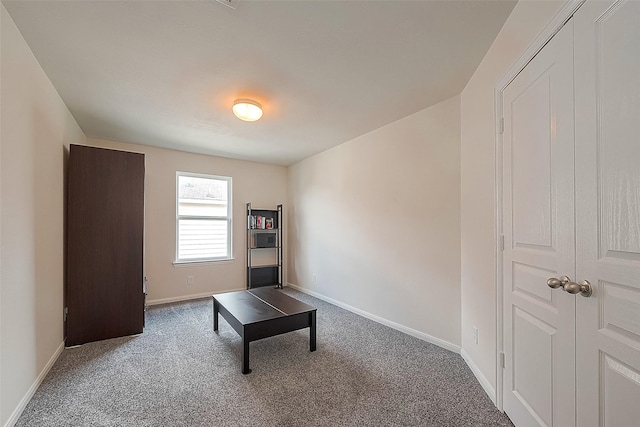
[(247, 109)]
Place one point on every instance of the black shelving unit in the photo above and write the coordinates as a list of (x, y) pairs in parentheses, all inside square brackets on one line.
[(264, 247)]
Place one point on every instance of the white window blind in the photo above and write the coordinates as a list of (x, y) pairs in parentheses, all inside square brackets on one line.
[(203, 219)]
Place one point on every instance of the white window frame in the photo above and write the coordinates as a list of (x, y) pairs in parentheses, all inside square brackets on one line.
[(228, 218)]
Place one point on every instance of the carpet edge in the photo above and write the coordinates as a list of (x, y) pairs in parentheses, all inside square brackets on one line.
[(484, 382), (15, 415), (397, 326)]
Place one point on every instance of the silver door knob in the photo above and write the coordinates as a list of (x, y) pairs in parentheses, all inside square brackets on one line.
[(554, 283), (583, 288)]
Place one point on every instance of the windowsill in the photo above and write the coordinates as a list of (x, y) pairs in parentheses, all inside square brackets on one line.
[(202, 262)]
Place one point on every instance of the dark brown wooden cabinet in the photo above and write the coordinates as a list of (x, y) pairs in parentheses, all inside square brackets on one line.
[(105, 244)]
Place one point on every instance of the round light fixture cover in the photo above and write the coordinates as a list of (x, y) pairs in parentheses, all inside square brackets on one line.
[(247, 109)]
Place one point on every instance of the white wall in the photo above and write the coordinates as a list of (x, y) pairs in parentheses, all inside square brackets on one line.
[(262, 184), (36, 128), (376, 220), (478, 198)]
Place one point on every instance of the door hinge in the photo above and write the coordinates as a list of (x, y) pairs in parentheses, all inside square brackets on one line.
[(502, 360), (501, 243), (501, 126), (66, 312)]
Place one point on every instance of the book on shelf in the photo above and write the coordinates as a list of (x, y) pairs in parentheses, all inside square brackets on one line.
[(259, 222)]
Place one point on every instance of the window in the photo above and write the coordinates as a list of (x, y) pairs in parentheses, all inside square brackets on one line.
[(203, 219)]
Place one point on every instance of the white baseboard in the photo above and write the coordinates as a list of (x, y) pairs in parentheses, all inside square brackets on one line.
[(13, 419), (187, 297), (486, 385), (409, 331)]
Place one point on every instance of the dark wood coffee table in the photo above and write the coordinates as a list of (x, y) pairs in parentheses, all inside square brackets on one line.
[(261, 313)]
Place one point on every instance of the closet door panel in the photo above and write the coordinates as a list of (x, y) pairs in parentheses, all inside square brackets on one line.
[(608, 212), (538, 228)]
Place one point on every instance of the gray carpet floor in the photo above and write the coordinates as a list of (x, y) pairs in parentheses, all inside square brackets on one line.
[(180, 373)]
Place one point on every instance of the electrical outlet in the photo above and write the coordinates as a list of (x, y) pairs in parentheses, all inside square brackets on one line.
[(476, 337), (189, 280)]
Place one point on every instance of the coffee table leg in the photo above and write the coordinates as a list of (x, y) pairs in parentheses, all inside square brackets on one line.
[(245, 356), (216, 309), (312, 332)]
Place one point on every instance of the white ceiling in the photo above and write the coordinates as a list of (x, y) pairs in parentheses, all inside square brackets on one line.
[(165, 73)]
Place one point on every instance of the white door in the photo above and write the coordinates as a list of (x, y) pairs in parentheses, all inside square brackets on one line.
[(607, 79), (546, 382), (538, 229)]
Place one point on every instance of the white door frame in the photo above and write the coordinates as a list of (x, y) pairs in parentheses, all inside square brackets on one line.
[(552, 27)]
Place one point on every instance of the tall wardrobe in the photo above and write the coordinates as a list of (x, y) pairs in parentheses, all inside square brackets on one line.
[(105, 244)]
